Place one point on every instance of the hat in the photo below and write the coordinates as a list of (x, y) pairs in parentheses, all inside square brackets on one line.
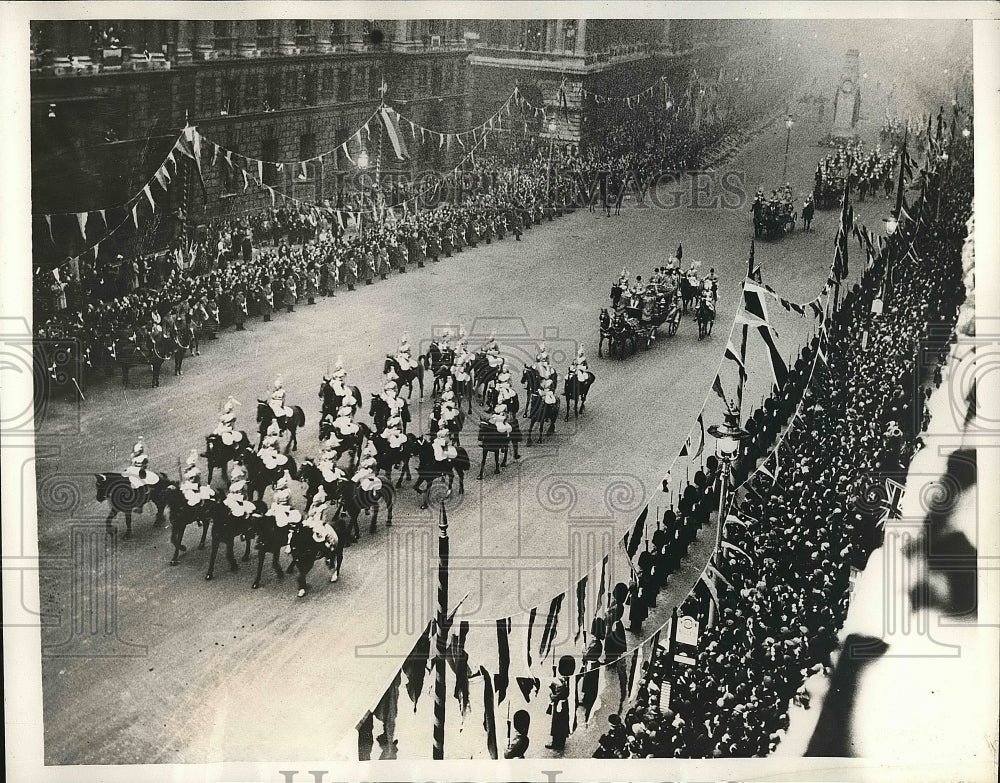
[(390, 386), (237, 485), (500, 408), (278, 383), (139, 447), (320, 495), (344, 411), (394, 421), (282, 482), (274, 429), (192, 458)]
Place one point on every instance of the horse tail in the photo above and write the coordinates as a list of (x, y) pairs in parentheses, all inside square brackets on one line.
[(420, 368), (102, 485), (300, 417)]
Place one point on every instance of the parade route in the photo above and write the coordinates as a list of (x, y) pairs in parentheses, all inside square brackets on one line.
[(203, 672)]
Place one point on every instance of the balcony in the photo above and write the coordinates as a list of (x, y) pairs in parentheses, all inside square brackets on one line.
[(569, 61)]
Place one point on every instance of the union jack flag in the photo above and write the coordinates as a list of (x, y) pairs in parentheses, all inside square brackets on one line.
[(891, 504)]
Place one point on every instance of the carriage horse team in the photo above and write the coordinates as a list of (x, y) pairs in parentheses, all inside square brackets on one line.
[(353, 472)]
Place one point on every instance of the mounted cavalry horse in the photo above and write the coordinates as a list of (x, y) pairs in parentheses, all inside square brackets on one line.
[(576, 390), (491, 440), (307, 548), (219, 454), (406, 377), (356, 498), (439, 361), (345, 444), (122, 497), (139, 348), (333, 402), (260, 476), (289, 424), (543, 404), (183, 514), (388, 458), (430, 469), (705, 315)]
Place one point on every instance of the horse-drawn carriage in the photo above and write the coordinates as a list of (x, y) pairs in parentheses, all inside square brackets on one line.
[(827, 192), (636, 323), (773, 217)]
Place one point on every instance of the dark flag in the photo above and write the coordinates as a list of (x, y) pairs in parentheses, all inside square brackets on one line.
[(551, 623), (753, 268), (680, 252), (581, 599), (633, 542), (778, 367), (601, 586), (502, 678), (366, 737), (701, 442), (489, 719), (631, 670), (415, 666), (458, 659), (531, 625), (528, 686)]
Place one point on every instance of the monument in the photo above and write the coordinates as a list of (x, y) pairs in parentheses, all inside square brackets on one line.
[(847, 100)]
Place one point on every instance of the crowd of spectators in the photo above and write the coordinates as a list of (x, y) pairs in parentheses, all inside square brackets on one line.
[(818, 517)]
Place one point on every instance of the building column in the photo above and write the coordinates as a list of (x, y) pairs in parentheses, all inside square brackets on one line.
[(182, 40), (286, 36), (323, 42), (581, 37), (204, 38), (246, 37)]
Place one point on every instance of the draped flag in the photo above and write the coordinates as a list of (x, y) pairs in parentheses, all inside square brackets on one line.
[(391, 122), (531, 625), (753, 268), (581, 600), (891, 507), (526, 685), (489, 719), (502, 677), (637, 533), (728, 545), (701, 442), (551, 623), (415, 666), (458, 659), (778, 367), (717, 388), (601, 587), (149, 195), (81, 218), (754, 310)]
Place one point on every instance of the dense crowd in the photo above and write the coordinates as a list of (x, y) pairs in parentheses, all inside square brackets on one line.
[(817, 518)]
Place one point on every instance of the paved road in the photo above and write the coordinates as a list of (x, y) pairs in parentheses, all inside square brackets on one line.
[(203, 672)]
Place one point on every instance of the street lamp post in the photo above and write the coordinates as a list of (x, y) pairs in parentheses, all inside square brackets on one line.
[(728, 437), (788, 138), (440, 663)]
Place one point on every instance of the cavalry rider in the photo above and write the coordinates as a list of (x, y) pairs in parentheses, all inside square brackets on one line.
[(269, 452), (344, 425), (137, 472), (366, 476), (542, 355), (505, 392), (403, 356), (194, 491), (493, 357), (545, 392), (277, 401), (692, 275), (499, 420), (443, 448), (236, 500), (318, 521), (337, 378), (327, 463), (579, 366), (544, 369), (393, 434), (390, 402), (710, 285), (227, 422), (281, 504)]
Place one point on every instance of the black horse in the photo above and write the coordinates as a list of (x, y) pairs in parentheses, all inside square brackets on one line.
[(380, 413), (492, 398), (289, 424), (619, 335), (706, 317), (439, 361), (496, 443), (540, 412), (576, 390), (312, 477), (137, 350), (429, 470), (389, 458), (306, 550), (408, 376), (689, 292), (225, 530), (219, 454), (349, 444), (184, 340), (483, 373), (355, 500), (531, 381), (123, 497), (259, 477), (183, 514), (268, 540), (333, 402)]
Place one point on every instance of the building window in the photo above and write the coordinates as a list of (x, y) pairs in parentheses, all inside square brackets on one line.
[(436, 80), (343, 86), (329, 84), (304, 33), (269, 154), (223, 35), (309, 90), (206, 96), (251, 93), (230, 95), (265, 34), (273, 93), (294, 98)]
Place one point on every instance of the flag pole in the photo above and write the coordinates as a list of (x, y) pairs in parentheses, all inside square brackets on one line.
[(440, 691)]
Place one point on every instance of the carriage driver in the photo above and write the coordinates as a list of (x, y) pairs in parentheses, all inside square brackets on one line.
[(403, 357), (137, 472), (277, 401), (191, 486), (269, 453), (227, 422)]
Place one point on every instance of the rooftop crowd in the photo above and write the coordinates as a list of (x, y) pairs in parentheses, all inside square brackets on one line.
[(817, 519)]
